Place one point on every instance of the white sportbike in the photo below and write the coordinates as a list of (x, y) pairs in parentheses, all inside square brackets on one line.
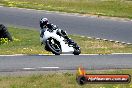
[(57, 44)]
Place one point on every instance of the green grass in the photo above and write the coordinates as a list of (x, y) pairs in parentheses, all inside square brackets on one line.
[(27, 42), (117, 8), (58, 80)]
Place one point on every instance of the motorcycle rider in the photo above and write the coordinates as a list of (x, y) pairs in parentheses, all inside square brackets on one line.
[(45, 24)]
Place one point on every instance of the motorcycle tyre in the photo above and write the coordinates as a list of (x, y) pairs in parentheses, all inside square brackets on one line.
[(51, 49)]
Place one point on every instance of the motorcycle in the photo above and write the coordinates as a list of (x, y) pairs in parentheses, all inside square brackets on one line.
[(57, 44)]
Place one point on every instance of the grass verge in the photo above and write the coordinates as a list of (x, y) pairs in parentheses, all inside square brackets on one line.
[(27, 42), (58, 80), (117, 8)]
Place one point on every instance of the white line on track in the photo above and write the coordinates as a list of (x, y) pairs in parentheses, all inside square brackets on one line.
[(40, 68), (65, 54), (28, 68), (117, 41), (111, 40), (105, 39), (129, 43), (82, 36)]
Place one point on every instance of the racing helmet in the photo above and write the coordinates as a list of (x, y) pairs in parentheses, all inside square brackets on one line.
[(43, 22)]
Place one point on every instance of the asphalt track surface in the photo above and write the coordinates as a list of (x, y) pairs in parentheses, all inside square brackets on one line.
[(73, 24), (63, 62)]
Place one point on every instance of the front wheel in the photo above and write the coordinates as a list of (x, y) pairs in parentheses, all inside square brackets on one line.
[(54, 46), (77, 50)]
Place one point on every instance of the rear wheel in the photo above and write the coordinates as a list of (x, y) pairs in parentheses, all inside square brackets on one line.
[(54, 46)]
